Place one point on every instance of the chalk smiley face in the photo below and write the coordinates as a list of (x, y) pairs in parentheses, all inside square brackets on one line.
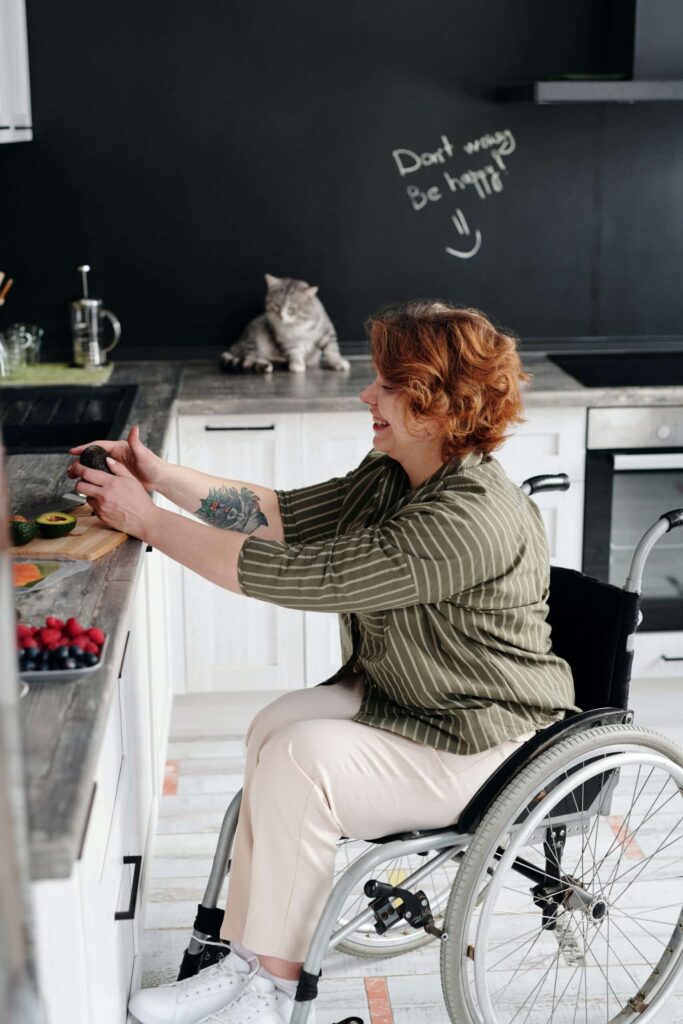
[(458, 219)]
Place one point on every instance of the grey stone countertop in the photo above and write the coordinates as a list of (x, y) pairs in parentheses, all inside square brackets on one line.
[(63, 723), (205, 390)]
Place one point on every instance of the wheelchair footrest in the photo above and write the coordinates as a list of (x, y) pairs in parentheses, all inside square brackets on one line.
[(413, 908)]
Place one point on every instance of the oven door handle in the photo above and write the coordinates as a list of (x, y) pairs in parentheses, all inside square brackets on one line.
[(652, 461)]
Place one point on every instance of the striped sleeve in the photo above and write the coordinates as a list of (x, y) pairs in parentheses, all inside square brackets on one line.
[(429, 552), (312, 513)]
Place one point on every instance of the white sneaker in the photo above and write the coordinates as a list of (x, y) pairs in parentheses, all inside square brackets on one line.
[(190, 1000), (260, 1000)]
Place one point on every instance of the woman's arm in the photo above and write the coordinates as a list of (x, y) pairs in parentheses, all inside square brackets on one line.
[(227, 504)]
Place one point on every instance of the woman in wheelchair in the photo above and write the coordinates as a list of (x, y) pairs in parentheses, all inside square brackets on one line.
[(437, 565)]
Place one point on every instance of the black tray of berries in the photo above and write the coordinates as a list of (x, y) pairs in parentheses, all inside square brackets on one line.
[(59, 650)]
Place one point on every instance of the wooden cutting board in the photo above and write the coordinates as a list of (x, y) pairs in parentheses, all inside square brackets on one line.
[(89, 539)]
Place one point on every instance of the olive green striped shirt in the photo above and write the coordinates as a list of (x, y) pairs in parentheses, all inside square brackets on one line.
[(441, 592)]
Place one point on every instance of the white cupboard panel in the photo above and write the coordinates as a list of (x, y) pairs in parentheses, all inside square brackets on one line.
[(550, 441), (233, 642), (15, 93)]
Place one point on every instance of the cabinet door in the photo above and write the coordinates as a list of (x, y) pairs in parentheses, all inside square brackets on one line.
[(134, 696), (550, 441), (333, 445), (553, 441), (160, 632), (233, 643), (15, 98)]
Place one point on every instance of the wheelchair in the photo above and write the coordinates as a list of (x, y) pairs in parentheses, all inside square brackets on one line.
[(553, 898)]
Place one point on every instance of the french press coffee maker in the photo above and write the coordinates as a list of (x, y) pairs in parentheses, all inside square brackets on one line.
[(87, 330)]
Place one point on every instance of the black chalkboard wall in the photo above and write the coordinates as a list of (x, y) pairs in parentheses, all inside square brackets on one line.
[(185, 149)]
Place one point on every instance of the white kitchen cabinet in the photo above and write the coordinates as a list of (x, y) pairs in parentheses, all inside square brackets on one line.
[(233, 643), (553, 441), (15, 92), (334, 444), (88, 939)]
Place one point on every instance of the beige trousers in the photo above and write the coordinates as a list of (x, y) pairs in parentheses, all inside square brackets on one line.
[(311, 776)]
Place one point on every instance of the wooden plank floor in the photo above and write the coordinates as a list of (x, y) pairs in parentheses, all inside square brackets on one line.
[(203, 774)]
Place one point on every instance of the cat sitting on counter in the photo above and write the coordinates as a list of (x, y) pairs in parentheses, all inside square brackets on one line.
[(294, 330)]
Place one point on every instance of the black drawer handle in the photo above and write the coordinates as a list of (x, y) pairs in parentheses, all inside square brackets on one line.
[(665, 657), (208, 427), (128, 915)]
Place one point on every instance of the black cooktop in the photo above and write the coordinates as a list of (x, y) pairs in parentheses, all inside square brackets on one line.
[(623, 369)]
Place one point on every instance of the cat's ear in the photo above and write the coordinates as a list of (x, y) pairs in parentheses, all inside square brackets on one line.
[(272, 281), (311, 290)]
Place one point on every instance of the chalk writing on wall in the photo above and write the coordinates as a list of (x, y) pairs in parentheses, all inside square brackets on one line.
[(484, 181)]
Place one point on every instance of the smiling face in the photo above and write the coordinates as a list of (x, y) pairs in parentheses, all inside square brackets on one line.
[(395, 431)]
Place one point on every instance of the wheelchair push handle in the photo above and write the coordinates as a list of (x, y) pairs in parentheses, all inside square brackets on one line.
[(674, 518), (546, 482), (666, 522)]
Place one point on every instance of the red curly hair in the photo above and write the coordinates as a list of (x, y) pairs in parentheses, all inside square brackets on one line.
[(455, 368)]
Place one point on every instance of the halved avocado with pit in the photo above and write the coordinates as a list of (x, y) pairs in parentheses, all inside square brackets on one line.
[(55, 524)]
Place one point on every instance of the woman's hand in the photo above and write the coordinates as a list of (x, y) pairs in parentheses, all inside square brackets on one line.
[(141, 462), (118, 499)]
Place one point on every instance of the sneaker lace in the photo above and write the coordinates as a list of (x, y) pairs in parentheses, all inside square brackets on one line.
[(248, 1006), (209, 974)]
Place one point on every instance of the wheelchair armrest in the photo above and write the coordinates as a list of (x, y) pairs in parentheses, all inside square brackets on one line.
[(472, 814)]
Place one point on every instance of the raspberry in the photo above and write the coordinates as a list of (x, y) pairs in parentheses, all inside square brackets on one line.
[(96, 635), (73, 627), (91, 648), (80, 641), (23, 630), (53, 645), (49, 635), (54, 623), (28, 642)]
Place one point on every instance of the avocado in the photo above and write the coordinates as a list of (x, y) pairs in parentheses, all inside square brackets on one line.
[(21, 530), (95, 457), (55, 524)]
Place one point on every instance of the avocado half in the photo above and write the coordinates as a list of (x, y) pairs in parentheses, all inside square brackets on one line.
[(55, 524), (95, 457), (21, 530)]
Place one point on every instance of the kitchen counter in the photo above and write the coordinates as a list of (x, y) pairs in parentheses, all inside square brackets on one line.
[(63, 723), (204, 390)]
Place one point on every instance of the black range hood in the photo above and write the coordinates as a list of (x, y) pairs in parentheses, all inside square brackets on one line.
[(643, 49)]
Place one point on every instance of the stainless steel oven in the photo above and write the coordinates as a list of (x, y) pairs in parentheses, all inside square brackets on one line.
[(634, 473)]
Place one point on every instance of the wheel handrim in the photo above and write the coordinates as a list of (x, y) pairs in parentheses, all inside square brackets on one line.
[(536, 975)]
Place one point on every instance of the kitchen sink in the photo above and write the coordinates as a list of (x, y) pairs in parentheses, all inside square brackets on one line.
[(623, 369), (56, 418)]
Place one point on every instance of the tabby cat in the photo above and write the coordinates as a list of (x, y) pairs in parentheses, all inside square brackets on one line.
[(294, 330)]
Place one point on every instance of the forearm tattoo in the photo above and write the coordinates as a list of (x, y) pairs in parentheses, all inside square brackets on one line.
[(230, 509)]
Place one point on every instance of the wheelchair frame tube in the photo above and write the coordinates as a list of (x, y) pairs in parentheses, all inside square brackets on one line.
[(365, 915), (450, 840)]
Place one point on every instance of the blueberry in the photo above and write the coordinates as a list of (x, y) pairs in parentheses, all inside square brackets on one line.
[(75, 651), (30, 665), (90, 659), (70, 663), (62, 652)]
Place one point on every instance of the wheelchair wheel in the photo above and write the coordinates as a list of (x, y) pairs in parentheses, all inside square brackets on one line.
[(568, 904), (401, 938)]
